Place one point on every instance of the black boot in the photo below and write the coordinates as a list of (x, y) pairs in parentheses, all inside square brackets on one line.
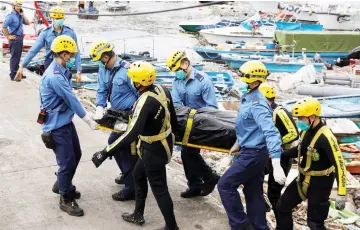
[(121, 196), (166, 228), (119, 179), (210, 185), (70, 206), (55, 189), (189, 193), (137, 218)]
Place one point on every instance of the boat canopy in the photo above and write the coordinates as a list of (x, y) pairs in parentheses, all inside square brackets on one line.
[(316, 41)]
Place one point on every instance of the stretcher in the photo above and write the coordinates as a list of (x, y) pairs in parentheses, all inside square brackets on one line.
[(176, 143), (206, 128)]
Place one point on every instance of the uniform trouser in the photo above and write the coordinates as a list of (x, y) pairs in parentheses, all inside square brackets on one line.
[(318, 203), (68, 154), (152, 166), (274, 188), (196, 170), (248, 170), (126, 162), (16, 47)]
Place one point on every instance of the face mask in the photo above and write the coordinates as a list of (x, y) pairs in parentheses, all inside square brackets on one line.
[(59, 22), (70, 63), (244, 89), (303, 125), (180, 74), (101, 64)]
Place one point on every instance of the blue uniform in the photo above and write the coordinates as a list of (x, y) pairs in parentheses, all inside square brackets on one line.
[(257, 137), (196, 92), (14, 23), (61, 104), (45, 39), (123, 96)]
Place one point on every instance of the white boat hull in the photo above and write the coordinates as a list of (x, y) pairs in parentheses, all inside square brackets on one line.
[(331, 22), (221, 35)]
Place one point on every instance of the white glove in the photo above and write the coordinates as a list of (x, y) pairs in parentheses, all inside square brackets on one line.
[(92, 124), (99, 113), (121, 126), (278, 172)]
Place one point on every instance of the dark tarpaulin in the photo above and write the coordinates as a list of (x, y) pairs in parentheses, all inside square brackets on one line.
[(211, 127)]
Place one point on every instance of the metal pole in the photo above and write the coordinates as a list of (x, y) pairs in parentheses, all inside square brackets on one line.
[(124, 44)]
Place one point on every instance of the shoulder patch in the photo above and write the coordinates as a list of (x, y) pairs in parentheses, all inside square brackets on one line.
[(57, 70), (255, 100), (124, 64), (199, 77)]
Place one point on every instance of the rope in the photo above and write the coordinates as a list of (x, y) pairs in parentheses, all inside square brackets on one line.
[(130, 14)]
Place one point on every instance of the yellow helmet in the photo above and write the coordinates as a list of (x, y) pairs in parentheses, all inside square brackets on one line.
[(57, 13), (64, 43), (17, 2), (100, 47), (173, 60), (252, 71), (142, 72), (268, 91), (306, 107)]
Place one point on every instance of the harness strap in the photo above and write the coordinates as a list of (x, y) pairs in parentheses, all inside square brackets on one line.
[(189, 124)]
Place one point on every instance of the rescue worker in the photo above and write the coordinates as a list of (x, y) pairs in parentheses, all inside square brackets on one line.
[(46, 38), (151, 124), (321, 162), (257, 138), (289, 133), (59, 104), (14, 31), (194, 89), (115, 87)]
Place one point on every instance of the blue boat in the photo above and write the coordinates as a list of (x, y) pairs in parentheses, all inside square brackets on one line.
[(335, 107), (291, 67), (212, 54)]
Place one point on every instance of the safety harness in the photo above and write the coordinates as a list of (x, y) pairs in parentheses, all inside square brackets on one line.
[(275, 113), (166, 127), (303, 186)]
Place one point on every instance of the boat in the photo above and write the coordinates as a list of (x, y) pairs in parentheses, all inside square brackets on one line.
[(325, 90), (92, 14), (222, 35), (211, 54), (236, 61), (28, 42), (347, 106), (196, 26), (117, 5)]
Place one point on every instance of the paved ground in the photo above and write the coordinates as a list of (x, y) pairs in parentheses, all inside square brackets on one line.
[(27, 175)]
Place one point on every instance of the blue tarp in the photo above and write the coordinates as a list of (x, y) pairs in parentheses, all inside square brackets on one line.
[(298, 26), (287, 26)]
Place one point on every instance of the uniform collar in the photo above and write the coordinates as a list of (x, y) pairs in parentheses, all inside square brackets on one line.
[(117, 62), (274, 105), (15, 12), (193, 73), (52, 29), (60, 67), (251, 95)]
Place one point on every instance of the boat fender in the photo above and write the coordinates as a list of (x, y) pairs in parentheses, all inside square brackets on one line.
[(311, 12), (199, 77), (297, 10), (290, 8)]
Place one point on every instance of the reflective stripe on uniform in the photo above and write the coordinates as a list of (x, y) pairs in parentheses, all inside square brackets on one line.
[(304, 185), (289, 126)]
